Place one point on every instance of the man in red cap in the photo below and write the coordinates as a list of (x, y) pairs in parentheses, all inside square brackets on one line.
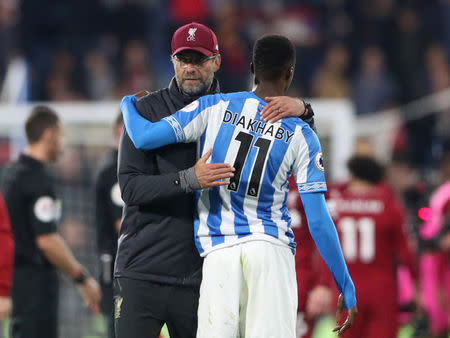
[(158, 269)]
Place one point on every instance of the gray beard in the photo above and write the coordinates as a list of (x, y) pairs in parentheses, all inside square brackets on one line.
[(199, 90)]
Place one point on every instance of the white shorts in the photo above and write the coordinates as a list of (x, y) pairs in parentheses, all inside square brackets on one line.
[(248, 290)]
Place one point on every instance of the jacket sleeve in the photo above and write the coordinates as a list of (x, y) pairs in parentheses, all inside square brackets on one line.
[(137, 183), (6, 251)]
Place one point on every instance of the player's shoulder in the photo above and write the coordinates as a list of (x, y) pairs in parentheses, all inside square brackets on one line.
[(215, 98), (302, 130), (233, 96)]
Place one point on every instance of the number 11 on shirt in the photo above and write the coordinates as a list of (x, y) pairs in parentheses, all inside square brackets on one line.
[(246, 140)]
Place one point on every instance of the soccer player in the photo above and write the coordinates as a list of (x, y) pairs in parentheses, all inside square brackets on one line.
[(370, 222), (243, 228), (34, 211), (108, 212), (6, 261)]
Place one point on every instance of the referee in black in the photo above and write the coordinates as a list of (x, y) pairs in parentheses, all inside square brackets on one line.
[(108, 214), (158, 268), (34, 211)]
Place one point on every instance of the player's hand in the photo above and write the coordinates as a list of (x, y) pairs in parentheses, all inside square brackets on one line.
[(90, 291), (281, 106), (5, 307), (351, 314), (209, 174), (318, 301)]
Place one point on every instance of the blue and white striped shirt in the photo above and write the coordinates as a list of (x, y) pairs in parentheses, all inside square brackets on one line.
[(253, 205)]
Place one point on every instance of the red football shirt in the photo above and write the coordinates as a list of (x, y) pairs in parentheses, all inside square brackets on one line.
[(371, 231)]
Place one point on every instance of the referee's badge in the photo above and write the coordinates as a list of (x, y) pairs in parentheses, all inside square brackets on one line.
[(46, 209), (318, 161)]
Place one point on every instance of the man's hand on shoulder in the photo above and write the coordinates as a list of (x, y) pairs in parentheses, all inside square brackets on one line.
[(212, 174), (351, 314), (282, 106)]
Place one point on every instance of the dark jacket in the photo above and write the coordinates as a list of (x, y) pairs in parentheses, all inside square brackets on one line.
[(156, 240), (108, 211)]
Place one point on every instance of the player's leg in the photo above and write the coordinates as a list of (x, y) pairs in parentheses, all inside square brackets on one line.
[(182, 312), (218, 310), (139, 308), (269, 272)]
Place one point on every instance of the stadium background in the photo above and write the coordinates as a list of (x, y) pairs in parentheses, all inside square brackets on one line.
[(373, 68)]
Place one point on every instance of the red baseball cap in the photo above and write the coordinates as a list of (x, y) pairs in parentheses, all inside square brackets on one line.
[(197, 37)]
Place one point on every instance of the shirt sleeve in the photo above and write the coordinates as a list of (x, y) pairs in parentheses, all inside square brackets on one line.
[(186, 125), (308, 168), (45, 209), (325, 236), (143, 133)]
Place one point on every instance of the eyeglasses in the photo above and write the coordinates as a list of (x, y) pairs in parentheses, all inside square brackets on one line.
[(193, 61)]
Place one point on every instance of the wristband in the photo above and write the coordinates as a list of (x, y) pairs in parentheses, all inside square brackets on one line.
[(308, 112)]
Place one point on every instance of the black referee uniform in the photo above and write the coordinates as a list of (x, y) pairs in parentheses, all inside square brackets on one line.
[(29, 194), (108, 210)]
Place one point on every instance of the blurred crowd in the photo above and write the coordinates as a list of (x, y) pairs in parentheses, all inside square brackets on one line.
[(379, 53)]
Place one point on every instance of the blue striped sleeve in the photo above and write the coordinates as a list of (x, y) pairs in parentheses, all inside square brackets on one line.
[(309, 169), (325, 236), (143, 133)]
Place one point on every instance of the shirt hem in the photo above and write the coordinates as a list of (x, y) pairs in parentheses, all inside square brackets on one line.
[(253, 237)]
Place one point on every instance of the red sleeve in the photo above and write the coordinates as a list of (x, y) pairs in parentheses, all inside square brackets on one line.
[(405, 251), (6, 251)]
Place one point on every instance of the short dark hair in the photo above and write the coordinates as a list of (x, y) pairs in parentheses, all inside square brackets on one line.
[(272, 56), (40, 119), (366, 168)]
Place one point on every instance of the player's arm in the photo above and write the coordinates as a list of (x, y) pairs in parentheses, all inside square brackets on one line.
[(309, 173), (6, 261), (43, 217), (325, 236), (145, 134), (284, 106)]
